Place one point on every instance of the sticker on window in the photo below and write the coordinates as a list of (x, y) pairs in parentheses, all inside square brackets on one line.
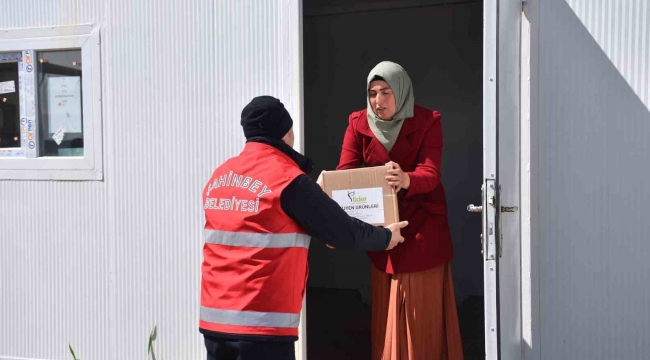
[(7, 87)]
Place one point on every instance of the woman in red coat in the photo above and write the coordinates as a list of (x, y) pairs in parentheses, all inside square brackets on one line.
[(413, 303)]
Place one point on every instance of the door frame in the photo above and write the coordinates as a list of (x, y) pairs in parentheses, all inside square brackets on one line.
[(489, 188), (299, 145), (502, 126), (502, 178)]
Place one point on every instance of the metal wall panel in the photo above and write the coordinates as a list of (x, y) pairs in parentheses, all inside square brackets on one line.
[(99, 264), (54, 243), (54, 281), (37, 13), (622, 30), (594, 181)]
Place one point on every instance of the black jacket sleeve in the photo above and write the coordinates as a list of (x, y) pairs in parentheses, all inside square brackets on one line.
[(305, 202)]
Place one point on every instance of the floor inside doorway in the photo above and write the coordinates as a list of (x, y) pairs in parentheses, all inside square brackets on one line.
[(338, 325)]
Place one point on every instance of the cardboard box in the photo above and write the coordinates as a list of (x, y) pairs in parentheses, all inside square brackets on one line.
[(364, 194)]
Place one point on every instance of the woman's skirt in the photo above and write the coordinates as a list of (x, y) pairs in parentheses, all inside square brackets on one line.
[(414, 316)]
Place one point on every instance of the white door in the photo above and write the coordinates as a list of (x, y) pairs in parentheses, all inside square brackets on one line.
[(500, 192)]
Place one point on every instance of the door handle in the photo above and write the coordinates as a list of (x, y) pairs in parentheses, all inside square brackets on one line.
[(504, 209)]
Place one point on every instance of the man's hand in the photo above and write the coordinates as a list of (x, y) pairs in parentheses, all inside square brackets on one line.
[(397, 237)]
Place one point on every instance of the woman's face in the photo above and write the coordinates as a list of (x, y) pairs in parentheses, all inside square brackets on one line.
[(382, 99)]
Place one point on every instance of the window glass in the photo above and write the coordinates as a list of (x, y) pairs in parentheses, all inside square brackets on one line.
[(9, 102), (60, 102)]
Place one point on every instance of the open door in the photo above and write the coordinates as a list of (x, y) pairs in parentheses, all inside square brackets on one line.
[(501, 173)]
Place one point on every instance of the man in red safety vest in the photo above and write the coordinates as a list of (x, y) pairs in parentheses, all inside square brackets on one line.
[(261, 210)]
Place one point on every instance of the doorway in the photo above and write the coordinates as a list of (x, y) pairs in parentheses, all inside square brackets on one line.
[(440, 45)]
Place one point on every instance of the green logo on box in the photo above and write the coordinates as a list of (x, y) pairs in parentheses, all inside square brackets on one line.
[(356, 199)]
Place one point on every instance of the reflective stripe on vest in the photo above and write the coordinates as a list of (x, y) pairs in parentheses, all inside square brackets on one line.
[(267, 241), (250, 318)]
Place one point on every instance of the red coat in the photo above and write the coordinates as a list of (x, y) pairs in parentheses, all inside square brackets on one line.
[(418, 151)]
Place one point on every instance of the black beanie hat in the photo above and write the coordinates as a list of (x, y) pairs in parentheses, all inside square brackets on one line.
[(265, 116)]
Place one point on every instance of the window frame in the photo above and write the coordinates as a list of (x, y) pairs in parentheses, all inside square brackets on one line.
[(30, 166)]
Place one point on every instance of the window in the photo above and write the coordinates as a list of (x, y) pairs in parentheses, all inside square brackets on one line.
[(50, 104), (9, 104), (59, 106)]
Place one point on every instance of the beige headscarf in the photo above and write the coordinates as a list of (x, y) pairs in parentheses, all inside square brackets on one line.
[(399, 81)]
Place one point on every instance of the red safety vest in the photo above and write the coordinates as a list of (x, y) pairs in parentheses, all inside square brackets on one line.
[(255, 256)]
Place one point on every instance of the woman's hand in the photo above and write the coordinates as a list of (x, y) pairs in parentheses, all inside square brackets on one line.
[(397, 178)]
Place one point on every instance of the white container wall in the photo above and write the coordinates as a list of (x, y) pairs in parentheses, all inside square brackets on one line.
[(590, 85), (98, 264)]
